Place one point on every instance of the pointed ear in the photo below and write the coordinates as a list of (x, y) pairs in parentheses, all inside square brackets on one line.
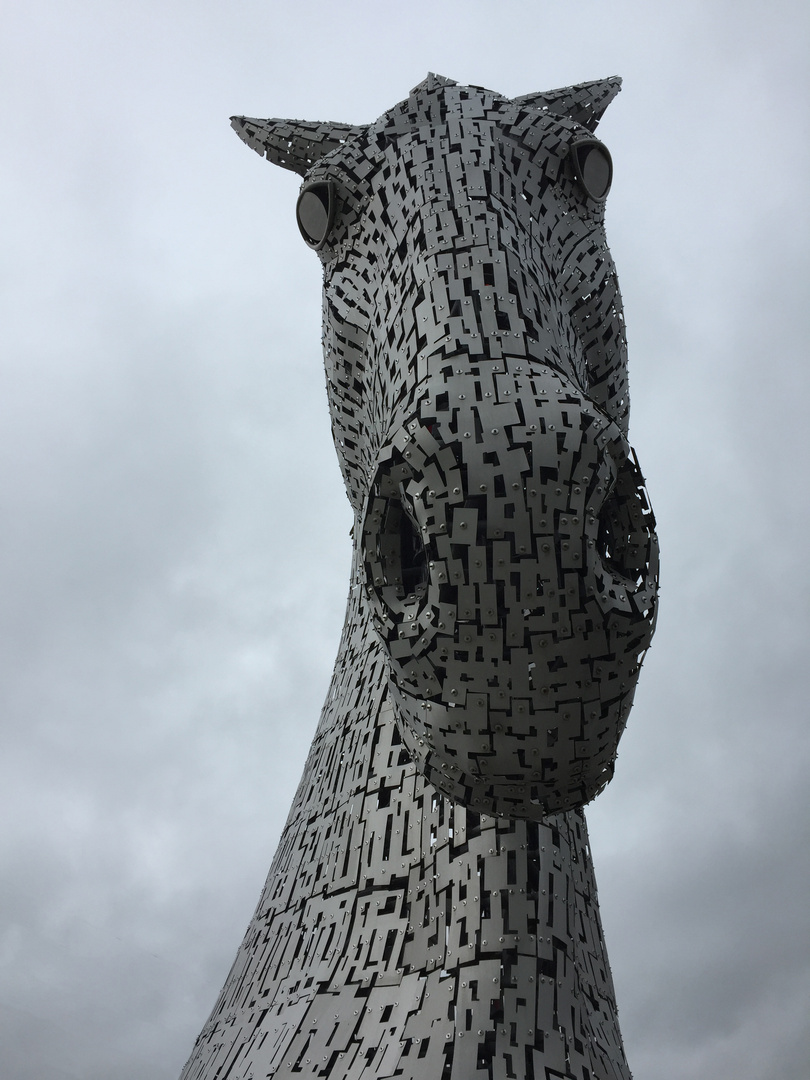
[(292, 144), (583, 103)]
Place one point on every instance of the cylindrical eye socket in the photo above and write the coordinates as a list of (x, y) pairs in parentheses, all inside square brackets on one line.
[(315, 212), (594, 169)]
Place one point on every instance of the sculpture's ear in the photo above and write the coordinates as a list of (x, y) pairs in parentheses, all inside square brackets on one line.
[(583, 103), (292, 144)]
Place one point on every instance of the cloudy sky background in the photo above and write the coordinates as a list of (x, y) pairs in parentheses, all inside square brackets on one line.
[(174, 549)]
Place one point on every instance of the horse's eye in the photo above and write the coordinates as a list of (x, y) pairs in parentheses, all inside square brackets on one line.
[(315, 212), (594, 169)]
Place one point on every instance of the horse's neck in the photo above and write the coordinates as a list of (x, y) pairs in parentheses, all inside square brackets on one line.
[(396, 924)]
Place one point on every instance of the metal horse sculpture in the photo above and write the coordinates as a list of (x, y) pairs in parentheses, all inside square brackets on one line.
[(431, 911)]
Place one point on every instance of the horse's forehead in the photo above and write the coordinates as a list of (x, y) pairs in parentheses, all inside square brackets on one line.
[(457, 132), (377, 159), (434, 106)]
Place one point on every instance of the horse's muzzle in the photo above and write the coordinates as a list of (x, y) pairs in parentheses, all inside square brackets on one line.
[(511, 565)]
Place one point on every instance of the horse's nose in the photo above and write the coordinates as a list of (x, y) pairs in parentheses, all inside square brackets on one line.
[(511, 565), (619, 530)]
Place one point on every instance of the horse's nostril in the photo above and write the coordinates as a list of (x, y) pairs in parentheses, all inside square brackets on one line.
[(611, 538), (412, 556), (625, 525), (402, 552)]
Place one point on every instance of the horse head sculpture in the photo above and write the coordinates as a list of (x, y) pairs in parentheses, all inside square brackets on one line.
[(477, 376), (431, 910)]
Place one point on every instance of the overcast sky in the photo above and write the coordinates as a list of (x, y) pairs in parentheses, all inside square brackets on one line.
[(174, 546)]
